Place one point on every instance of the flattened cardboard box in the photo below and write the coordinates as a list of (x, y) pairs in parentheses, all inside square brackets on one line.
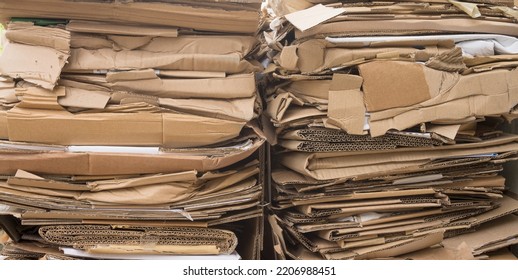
[(203, 18), (39, 118)]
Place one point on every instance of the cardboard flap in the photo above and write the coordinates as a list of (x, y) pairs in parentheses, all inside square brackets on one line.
[(26, 175), (346, 107), (448, 131), (314, 88), (40, 99), (469, 8)]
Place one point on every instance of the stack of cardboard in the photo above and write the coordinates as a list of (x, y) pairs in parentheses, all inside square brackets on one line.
[(386, 118), (128, 129)]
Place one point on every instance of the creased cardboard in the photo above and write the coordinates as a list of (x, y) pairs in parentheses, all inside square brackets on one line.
[(27, 33), (346, 108), (103, 239), (236, 20), (238, 86), (410, 26), (491, 233), (3, 125), (79, 98), (35, 64)]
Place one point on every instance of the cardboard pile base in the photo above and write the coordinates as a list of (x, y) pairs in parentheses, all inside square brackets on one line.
[(128, 130), (387, 122)]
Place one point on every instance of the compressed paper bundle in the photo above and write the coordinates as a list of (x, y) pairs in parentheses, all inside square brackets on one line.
[(387, 118), (131, 125)]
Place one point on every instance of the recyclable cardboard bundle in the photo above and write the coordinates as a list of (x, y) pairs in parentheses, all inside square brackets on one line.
[(386, 118), (128, 130)]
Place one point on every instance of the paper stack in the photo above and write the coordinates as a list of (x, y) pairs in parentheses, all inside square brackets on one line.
[(387, 117), (129, 129)]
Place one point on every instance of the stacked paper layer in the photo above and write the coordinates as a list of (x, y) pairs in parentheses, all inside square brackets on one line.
[(387, 118), (129, 129)]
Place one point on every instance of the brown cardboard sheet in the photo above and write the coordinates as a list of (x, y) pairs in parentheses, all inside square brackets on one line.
[(390, 249), (146, 82), (424, 26), (4, 134), (313, 16), (242, 109), (183, 190), (136, 240), (99, 27), (314, 88), (38, 118), (85, 60), (431, 87), (358, 143), (188, 44), (501, 232), (315, 56), (341, 165), (88, 99), (27, 33), (234, 20), (42, 160), (36, 64)]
